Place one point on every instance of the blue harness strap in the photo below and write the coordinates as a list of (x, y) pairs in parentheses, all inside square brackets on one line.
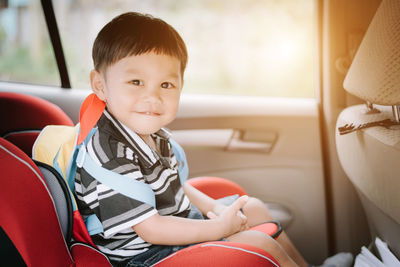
[(183, 168), (128, 187)]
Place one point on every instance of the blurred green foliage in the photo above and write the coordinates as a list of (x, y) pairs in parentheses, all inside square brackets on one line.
[(17, 64)]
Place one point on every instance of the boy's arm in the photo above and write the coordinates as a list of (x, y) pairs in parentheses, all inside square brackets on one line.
[(203, 202), (173, 230)]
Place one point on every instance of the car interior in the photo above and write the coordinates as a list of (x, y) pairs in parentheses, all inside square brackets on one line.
[(324, 161)]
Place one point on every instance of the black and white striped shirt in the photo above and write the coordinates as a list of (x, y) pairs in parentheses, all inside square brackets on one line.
[(117, 148)]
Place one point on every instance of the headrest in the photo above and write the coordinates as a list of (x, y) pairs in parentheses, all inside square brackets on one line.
[(24, 116), (20, 111), (374, 75)]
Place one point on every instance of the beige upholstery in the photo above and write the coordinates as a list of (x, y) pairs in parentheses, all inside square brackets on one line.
[(375, 72), (371, 158)]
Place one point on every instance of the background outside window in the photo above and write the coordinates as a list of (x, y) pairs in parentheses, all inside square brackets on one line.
[(236, 47), (26, 54)]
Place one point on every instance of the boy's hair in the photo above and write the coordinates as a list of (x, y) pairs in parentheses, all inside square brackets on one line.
[(132, 34)]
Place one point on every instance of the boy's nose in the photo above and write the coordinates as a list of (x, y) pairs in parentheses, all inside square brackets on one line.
[(152, 95)]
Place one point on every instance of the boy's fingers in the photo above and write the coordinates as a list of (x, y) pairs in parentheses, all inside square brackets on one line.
[(241, 215), (240, 202), (211, 215)]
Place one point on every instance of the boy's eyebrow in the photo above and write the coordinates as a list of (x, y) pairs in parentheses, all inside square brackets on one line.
[(132, 70), (173, 75)]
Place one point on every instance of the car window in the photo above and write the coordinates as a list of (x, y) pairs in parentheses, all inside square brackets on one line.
[(236, 47), (26, 54)]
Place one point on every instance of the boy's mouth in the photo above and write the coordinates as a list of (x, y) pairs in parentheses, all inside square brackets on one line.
[(149, 113)]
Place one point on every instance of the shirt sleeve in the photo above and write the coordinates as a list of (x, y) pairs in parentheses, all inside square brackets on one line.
[(115, 211)]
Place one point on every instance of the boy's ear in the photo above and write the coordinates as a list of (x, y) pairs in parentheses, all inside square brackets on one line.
[(97, 84)]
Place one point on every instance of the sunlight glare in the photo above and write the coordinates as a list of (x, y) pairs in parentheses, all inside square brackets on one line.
[(286, 51)]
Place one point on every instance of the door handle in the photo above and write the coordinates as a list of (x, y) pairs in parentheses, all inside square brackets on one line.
[(259, 141), (252, 141)]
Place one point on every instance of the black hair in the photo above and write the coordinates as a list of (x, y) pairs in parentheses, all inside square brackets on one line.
[(132, 34)]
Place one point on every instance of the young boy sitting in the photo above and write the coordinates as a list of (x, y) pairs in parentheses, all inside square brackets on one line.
[(139, 66)]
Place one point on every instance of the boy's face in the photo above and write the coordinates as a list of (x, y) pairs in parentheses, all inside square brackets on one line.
[(141, 91)]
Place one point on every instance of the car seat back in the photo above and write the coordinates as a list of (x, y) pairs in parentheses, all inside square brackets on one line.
[(370, 160)]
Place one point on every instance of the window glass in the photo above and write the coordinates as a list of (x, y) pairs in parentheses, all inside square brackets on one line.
[(26, 54), (236, 47)]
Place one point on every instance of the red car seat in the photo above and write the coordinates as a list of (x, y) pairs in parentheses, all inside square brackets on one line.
[(31, 220), (24, 116), (22, 224)]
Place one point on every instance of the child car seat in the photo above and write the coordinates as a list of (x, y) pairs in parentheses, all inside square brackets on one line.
[(31, 220), (205, 254)]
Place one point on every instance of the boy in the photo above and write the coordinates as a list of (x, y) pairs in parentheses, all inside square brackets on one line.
[(139, 65)]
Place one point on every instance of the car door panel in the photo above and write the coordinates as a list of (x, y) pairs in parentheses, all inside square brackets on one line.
[(271, 147)]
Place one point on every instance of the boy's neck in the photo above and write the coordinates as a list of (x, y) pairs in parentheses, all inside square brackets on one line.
[(148, 139)]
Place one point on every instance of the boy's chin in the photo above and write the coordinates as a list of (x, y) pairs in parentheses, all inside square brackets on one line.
[(147, 131), (147, 127)]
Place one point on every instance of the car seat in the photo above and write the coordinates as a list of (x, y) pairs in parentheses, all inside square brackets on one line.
[(36, 217), (24, 116), (370, 155), (18, 230)]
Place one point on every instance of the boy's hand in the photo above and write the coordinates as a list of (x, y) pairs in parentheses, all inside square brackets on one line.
[(232, 219), (217, 210)]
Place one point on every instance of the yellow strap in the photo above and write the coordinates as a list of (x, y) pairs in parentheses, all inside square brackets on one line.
[(54, 138)]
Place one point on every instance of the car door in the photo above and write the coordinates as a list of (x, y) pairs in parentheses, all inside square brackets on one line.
[(271, 147)]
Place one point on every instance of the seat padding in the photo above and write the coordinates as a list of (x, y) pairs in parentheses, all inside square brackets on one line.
[(27, 211), (219, 253), (62, 201), (216, 187)]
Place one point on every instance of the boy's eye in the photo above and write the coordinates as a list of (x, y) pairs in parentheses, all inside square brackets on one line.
[(167, 85), (137, 82)]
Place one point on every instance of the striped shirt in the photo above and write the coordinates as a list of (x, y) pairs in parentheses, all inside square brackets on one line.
[(117, 148)]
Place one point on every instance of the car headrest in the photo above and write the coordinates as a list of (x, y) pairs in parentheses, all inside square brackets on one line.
[(374, 74)]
